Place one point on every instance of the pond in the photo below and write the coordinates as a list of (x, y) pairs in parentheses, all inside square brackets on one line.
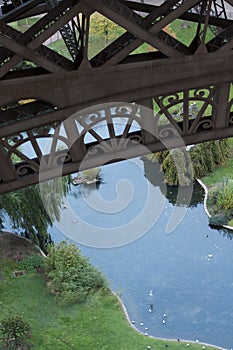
[(185, 274)]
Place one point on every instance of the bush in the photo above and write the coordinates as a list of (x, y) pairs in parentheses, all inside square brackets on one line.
[(90, 174), (218, 220), (221, 198), (71, 276), (15, 332), (204, 158), (32, 262)]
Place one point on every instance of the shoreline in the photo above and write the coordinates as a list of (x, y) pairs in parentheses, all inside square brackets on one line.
[(205, 198), (205, 203), (159, 338), (124, 309)]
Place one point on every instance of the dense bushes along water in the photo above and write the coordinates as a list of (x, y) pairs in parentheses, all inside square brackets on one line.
[(181, 167)]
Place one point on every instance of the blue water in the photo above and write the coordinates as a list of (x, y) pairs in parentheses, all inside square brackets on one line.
[(194, 290)]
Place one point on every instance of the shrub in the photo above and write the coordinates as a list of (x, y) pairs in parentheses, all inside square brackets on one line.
[(221, 198), (31, 262), (218, 220), (204, 158), (15, 331), (71, 276), (176, 168)]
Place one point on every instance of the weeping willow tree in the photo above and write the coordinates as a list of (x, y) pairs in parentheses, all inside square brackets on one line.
[(177, 168), (180, 166), (32, 212)]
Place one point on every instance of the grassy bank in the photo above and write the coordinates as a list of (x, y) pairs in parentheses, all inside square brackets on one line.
[(98, 324), (222, 172), (219, 185)]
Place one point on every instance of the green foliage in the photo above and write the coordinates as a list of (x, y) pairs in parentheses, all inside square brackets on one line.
[(27, 211), (91, 173), (216, 152), (71, 275), (103, 27), (95, 325), (158, 156), (32, 262), (226, 168), (179, 170), (218, 220), (176, 168), (222, 197), (15, 331)]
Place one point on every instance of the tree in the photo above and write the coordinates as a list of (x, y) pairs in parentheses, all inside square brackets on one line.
[(176, 170), (27, 211), (71, 275), (15, 331), (176, 165), (103, 27), (90, 174)]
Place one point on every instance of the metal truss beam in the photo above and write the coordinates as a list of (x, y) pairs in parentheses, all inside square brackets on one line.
[(24, 44), (187, 88), (112, 12), (126, 81), (154, 23)]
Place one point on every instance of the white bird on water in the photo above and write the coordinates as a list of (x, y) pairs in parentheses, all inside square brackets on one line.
[(151, 293)]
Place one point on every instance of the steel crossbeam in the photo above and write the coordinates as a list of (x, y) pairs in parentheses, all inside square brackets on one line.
[(187, 84)]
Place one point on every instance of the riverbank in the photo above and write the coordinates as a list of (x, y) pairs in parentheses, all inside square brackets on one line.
[(223, 171), (205, 203), (97, 324), (218, 180), (187, 342)]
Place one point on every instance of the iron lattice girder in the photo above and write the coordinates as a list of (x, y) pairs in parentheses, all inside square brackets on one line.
[(126, 82), (67, 92), (140, 29), (67, 32), (121, 47), (164, 42), (218, 21), (21, 11), (126, 43), (33, 38)]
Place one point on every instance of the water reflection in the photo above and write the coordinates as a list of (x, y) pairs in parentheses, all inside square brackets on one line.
[(153, 173)]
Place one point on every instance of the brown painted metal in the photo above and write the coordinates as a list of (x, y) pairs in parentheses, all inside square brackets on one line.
[(186, 87)]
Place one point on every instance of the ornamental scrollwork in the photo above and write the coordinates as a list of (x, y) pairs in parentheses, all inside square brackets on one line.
[(26, 169), (186, 109)]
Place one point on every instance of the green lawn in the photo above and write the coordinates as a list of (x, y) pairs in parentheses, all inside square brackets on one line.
[(24, 24), (98, 324), (186, 35), (222, 172)]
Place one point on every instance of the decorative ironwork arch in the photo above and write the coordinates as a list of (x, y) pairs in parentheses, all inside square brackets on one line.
[(186, 111)]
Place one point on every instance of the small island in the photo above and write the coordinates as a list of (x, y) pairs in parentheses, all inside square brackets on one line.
[(87, 177)]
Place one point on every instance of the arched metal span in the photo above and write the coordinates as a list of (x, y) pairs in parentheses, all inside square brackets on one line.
[(184, 80)]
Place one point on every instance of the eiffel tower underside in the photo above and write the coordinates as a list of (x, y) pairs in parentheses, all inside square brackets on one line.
[(103, 80)]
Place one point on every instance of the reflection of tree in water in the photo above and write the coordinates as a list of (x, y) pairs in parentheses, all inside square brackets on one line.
[(153, 173), (197, 195), (156, 177), (224, 232)]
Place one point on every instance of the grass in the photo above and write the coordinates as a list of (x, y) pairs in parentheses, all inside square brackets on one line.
[(217, 178), (186, 35), (221, 172), (230, 222), (98, 324), (24, 24)]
